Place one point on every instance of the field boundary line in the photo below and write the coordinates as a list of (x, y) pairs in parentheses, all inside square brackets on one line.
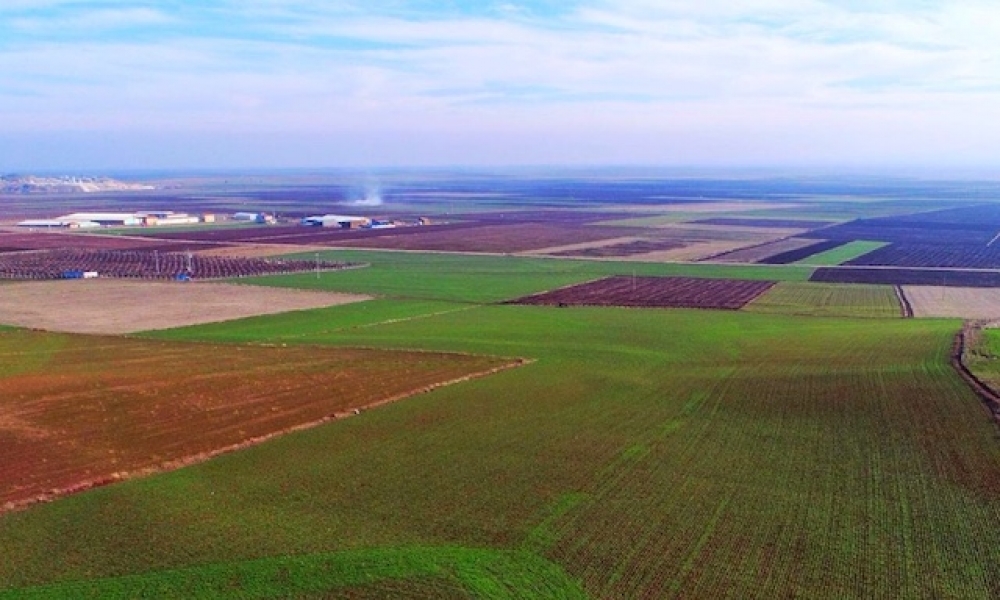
[(904, 302), (173, 465), (379, 323), (989, 397)]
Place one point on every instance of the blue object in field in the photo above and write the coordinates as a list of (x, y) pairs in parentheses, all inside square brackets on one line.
[(72, 274), (183, 277)]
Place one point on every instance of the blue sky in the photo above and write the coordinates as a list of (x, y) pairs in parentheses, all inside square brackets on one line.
[(94, 84)]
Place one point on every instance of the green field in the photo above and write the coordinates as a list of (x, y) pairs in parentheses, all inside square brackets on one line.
[(828, 300), (981, 356), (484, 279), (645, 453), (840, 254)]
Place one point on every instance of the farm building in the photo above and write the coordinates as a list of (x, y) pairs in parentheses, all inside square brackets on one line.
[(251, 217), (343, 221), (166, 218), (57, 224), (106, 219)]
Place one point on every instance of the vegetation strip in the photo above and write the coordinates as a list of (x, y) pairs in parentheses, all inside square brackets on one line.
[(989, 397), (482, 573), (828, 300), (842, 254)]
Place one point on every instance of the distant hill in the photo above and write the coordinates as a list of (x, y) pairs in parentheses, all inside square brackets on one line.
[(30, 184)]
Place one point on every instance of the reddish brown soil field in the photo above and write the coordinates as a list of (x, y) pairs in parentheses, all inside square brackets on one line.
[(80, 411), (495, 238), (626, 249), (53, 264), (897, 276), (676, 292)]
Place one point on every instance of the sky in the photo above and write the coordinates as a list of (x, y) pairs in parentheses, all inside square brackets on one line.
[(92, 84)]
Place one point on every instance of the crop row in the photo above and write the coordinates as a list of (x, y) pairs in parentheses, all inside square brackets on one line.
[(818, 299), (680, 292), (56, 264)]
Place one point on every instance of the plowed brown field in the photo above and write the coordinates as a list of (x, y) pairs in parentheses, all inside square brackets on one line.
[(82, 411), (677, 292)]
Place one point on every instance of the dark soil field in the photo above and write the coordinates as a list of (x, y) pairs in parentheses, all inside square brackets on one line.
[(626, 249), (971, 225), (494, 238), (893, 276), (668, 292), (53, 264), (797, 254), (757, 252), (143, 405), (938, 255)]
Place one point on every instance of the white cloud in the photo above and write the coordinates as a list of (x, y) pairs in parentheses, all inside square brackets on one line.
[(800, 77)]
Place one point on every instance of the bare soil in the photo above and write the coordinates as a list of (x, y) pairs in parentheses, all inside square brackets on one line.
[(111, 306), (77, 412), (960, 302)]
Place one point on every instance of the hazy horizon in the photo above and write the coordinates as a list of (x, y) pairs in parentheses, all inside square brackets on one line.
[(908, 86)]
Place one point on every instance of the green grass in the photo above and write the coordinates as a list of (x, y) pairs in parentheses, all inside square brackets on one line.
[(828, 300), (485, 279), (440, 572), (841, 254), (982, 356), (309, 323), (646, 453)]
